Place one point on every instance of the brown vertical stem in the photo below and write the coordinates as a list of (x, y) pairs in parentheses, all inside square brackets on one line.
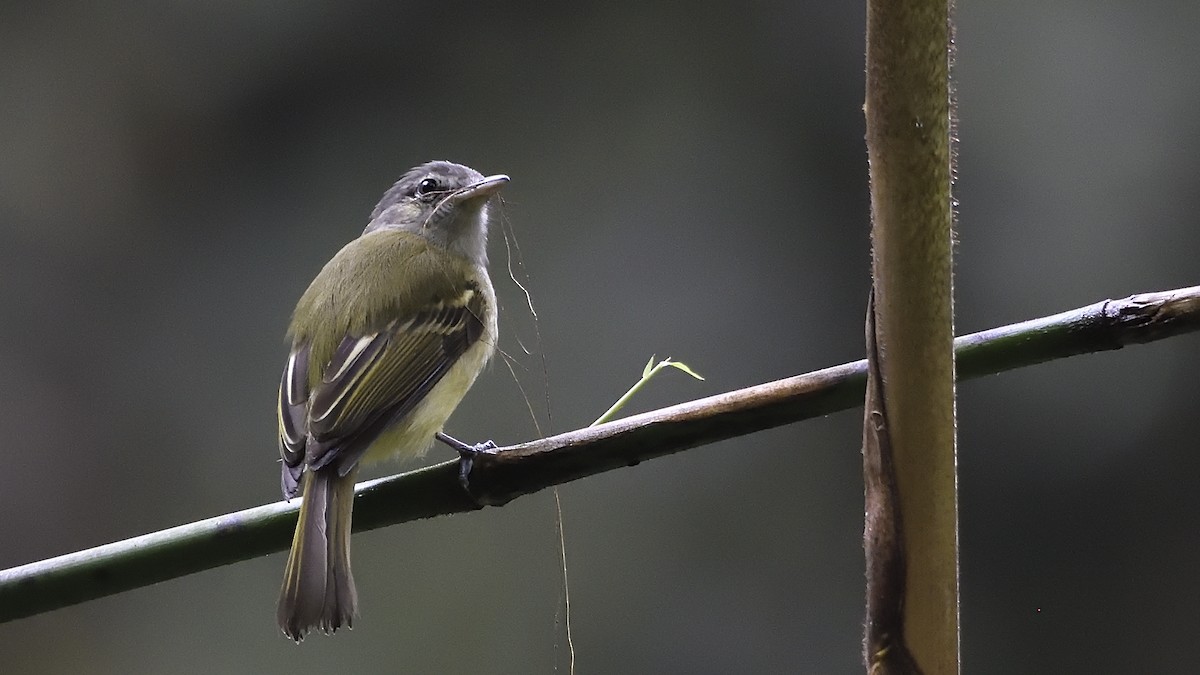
[(909, 124)]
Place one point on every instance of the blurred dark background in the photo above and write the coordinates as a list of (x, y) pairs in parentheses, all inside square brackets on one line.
[(688, 180)]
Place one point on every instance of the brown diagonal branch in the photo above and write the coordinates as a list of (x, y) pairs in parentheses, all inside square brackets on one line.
[(521, 469)]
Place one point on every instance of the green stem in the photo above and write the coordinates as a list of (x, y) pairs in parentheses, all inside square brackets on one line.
[(647, 375)]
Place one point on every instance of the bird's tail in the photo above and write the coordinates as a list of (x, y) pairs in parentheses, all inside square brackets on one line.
[(318, 589)]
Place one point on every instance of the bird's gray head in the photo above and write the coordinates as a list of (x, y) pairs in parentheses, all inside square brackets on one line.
[(445, 202)]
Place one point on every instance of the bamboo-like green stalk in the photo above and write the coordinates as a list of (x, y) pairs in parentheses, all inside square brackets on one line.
[(521, 469)]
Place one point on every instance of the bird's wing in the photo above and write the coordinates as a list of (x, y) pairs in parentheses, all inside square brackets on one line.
[(293, 419), (371, 381)]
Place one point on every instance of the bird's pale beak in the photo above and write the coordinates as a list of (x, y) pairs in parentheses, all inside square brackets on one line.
[(481, 189)]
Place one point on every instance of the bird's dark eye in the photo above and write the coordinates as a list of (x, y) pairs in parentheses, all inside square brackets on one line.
[(428, 185)]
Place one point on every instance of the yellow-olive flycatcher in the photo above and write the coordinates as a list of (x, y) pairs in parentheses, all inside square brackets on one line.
[(384, 344)]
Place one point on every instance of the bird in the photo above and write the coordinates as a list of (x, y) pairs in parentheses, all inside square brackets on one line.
[(384, 344)]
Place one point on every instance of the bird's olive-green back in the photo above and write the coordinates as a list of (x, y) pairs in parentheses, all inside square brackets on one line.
[(381, 276)]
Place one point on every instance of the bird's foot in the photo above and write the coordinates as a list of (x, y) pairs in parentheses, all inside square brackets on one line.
[(466, 457)]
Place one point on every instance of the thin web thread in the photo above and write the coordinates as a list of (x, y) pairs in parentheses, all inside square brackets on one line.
[(511, 243)]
